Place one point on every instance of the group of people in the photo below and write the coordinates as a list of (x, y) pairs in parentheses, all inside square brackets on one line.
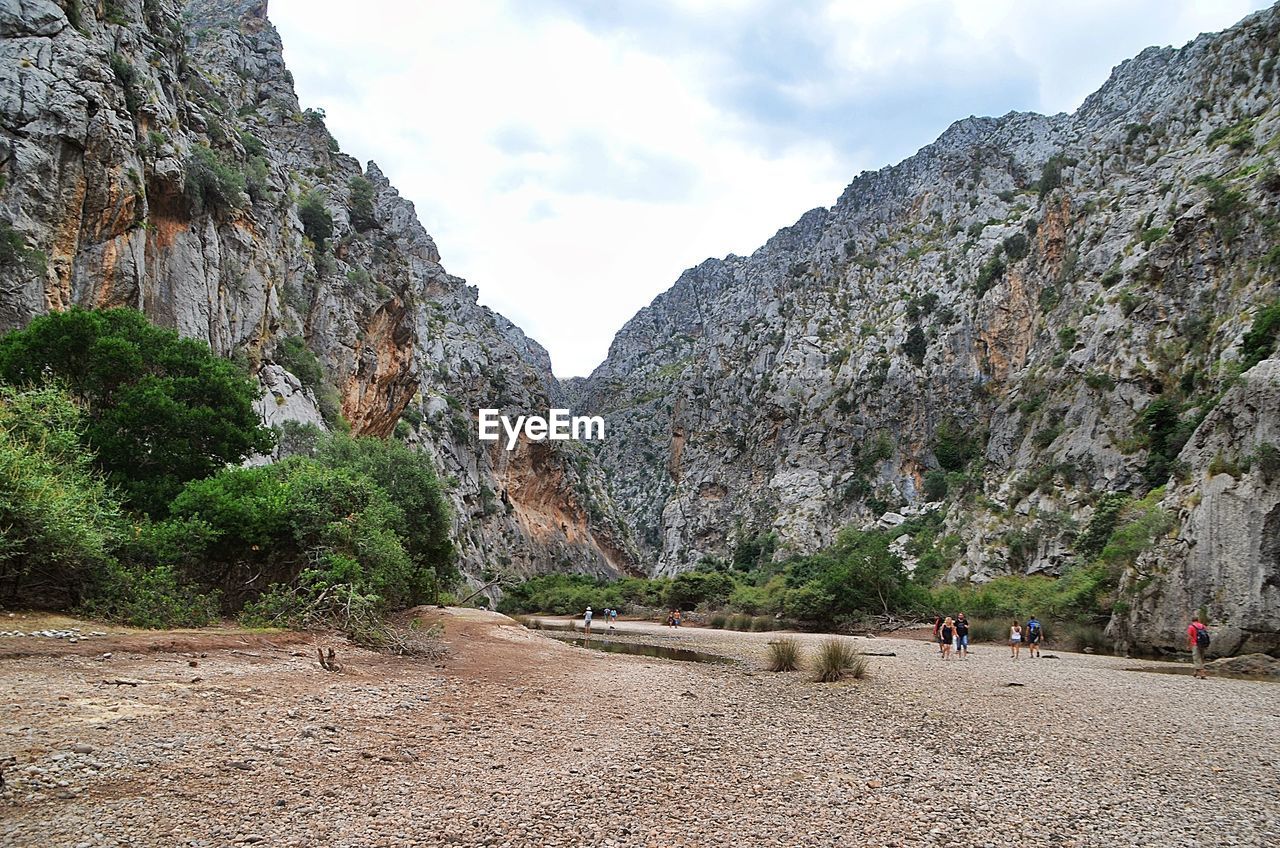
[(952, 636), (1031, 636), (674, 618), (610, 617)]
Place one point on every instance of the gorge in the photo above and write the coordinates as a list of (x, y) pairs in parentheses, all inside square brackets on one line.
[(1024, 322)]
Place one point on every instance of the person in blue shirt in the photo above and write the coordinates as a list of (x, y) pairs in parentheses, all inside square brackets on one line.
[(1034, 635)]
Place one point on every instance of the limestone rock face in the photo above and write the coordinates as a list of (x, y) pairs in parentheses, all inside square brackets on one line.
[(1031, 284), (1225, 559), (992, 324), (154, 155)]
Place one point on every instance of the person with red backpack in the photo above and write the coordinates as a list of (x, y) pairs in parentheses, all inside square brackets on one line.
[(1198, 636)]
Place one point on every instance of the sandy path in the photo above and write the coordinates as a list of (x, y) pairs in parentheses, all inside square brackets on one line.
[(520, 740)]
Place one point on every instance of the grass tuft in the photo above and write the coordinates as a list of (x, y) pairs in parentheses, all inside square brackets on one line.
[(837, 660), (784, 655)]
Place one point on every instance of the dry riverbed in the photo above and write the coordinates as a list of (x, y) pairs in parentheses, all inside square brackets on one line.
[(233, 738)]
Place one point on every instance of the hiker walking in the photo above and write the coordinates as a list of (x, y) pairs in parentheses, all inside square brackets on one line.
[(1034, 636), (946, 634), (1198, 637), (937, 627), (613, 618), (586, 621), (1015, 639), (962, 637)]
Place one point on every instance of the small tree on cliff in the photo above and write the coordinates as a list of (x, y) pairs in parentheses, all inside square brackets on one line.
[(161, 410)]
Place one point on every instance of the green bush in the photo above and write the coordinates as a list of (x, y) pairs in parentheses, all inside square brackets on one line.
[(409, 481), (211, 183), (294, 356), (784, 655), (1151, 235), (1017, 246), (1051, 174), (692, 588), (1101, 524), (317, 223), (1260, 341), (915, 346), (127, 76), (15, 254), (836, 660), (991, 272), (1266, 458), (58, 519), (153, 597), (935, 485), (297, 523), (954, 447), (161, 410), (362, 211)]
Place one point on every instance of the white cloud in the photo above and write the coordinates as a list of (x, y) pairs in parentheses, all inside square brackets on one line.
[(572, 158)]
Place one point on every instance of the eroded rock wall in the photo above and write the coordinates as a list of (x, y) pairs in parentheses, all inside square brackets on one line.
[(155, 155)]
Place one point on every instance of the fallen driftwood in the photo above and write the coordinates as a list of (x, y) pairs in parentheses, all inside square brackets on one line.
[(878, 653), (330, 662), (122, 681)]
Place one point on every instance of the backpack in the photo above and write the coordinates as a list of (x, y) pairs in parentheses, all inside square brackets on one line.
[(1202, 637)]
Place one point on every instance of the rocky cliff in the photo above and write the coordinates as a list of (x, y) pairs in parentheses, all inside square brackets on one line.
[(154, 155), (1030, 313), (1026, 320)]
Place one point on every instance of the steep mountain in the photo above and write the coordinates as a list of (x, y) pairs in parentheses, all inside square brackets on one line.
[(154, 155), (1025, 318), (1034, 325)]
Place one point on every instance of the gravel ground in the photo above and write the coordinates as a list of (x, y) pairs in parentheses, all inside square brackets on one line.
[(515, 739)]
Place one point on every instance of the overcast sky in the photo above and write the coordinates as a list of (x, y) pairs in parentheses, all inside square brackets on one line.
[(571, 157)]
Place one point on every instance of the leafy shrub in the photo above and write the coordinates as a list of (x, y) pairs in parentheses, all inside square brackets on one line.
[(15, 254), (691, 588), (212, 184), (1077, 636), (153, 597), (58, 521), (915, 346), (784, 655), (991, 272), (299, 523), (1051, 175), (954, 447), (935, 485), (294, 356), (988, 630), (1099, 381), (1160, 427), (317, 223), (362, 212), (1151, 235), (127, 76), (1103, 521), (1017, 246), (409, 481), (161, 410), (836, 660), (1260, 341), (1045, 437)]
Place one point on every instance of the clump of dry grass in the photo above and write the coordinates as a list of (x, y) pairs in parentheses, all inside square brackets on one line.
[(837, 659), (784, 655)]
